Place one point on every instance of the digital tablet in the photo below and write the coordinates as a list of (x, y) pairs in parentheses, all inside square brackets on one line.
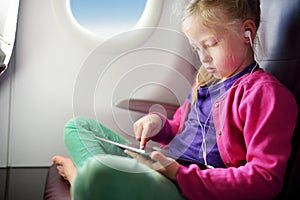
[(147, 156), (123, 146)]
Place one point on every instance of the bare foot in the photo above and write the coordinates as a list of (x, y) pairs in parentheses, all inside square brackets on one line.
[(65, 167)]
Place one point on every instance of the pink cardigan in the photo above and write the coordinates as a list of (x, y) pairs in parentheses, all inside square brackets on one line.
[(254, 124)]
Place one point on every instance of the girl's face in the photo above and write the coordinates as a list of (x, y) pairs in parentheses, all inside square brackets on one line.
[(222, 53)]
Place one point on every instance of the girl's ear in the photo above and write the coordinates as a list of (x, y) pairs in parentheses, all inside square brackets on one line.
[(249, 30)]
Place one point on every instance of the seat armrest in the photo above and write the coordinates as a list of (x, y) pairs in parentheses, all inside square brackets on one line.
[(56, 187)]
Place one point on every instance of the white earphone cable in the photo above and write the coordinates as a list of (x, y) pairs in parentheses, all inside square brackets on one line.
[(203, 126)]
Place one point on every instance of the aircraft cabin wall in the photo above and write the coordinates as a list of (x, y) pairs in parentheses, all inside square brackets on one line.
[(60, 71)]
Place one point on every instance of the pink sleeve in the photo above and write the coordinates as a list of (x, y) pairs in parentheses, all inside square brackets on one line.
[(171, 126), (267, 116)]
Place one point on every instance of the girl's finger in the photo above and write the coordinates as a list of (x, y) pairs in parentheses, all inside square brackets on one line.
[(138, 131), (144, 137)]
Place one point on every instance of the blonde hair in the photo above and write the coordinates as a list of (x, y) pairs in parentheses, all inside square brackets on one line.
[(218, 13)]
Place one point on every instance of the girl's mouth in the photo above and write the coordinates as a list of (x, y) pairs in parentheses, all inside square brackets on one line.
[(210, 69)]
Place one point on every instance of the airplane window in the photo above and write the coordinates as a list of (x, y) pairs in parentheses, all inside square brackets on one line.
[(108, 17)]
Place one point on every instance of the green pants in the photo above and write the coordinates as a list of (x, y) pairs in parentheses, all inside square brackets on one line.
[(104, 171)]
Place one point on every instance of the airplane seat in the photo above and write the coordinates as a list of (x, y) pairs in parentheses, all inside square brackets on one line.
[(56, 188), (277, 53)]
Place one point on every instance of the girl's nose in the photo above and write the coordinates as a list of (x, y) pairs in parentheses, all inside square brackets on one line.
[(204, 56)]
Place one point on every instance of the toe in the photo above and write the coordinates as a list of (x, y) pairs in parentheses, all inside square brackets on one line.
[(58, 160)]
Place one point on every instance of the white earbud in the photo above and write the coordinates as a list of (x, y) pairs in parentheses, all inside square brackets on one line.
[(248, 35)]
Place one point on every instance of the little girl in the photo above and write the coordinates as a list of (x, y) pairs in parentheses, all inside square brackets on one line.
[(231, 122)]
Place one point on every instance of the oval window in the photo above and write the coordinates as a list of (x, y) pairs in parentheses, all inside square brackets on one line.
[(108, 17)]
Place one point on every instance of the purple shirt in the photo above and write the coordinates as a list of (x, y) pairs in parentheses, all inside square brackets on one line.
[(188, 144)]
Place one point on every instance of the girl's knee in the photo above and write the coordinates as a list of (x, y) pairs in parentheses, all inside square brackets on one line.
[(114, 177), (77, 125), (97, 179), (78, 122), (74, 130)]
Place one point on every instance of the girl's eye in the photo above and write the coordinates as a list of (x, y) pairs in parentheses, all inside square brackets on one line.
[(204, 46), (210, 44)]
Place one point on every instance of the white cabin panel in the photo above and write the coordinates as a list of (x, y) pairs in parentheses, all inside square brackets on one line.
[(62, 71)]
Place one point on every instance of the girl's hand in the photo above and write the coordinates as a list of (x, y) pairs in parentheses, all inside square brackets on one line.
[(147, 127), (159, 162)]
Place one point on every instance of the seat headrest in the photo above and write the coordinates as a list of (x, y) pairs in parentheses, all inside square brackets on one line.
[(279, 33), (279, 42)]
